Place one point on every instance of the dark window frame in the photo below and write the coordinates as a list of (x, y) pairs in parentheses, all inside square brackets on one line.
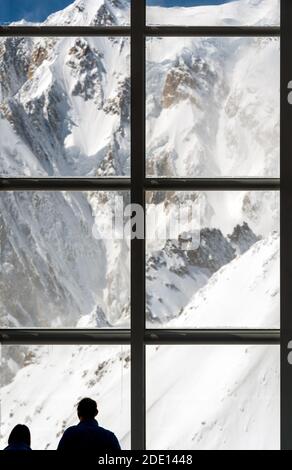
[(138, 336)]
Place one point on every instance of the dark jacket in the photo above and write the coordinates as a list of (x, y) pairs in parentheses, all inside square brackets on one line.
[(16, 447), (88, 436)]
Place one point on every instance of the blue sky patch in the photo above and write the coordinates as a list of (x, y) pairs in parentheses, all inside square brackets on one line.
[(30, 10)]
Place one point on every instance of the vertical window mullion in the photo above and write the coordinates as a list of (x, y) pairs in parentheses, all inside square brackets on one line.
[(286, 226), (137, 246)]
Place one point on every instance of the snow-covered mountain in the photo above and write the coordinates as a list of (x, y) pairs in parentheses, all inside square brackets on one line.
[(92, 13), (233, 13), (50, 258), (65, 106), (212, 110), (229, 224), (213, 107)]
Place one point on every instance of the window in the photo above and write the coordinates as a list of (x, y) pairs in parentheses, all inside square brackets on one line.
[(103, 371), (234, 249), (55, 248), (213, 397), (142, 102), (207, 102)]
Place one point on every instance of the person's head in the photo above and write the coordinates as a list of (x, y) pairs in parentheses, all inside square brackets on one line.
[(20, 434), (87, 409)]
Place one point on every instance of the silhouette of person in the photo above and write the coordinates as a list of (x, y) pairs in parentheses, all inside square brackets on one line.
[(19, 438), (87, 435)]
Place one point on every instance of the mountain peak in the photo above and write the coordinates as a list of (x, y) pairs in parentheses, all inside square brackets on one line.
[(92, 13)]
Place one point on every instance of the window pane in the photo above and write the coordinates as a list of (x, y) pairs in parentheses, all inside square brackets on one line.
[(213, 12), (58, 266), (213, 107), (41, 386), (65, 106), (213, 259), (213, 397), (66, 12)]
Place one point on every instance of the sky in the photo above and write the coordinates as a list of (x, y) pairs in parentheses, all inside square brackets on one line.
[(39, 10), (30, 10)]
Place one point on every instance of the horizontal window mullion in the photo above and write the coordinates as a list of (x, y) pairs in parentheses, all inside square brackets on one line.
[(64, 336), (117, 184), (72, 31), (64, 184), (235, 31), (64, 31), (237, 184), (161, 336), (223, 337)]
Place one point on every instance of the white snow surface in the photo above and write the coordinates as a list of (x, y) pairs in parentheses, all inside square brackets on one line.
[(254, 277), (213, 397), (234, 13)]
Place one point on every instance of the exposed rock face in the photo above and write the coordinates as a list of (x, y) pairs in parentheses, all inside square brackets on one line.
[(242, 238), (120, 103), (185, 81), (104, 17), (15, 59), (39, 55), (86, 64), (108, 13), (214, 250), (175, 271), (176, 88), (172, 268)]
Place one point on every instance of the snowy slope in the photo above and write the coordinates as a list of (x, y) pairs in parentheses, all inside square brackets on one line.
[(213, 397), (252, 282), (54, 379), (234, 13)]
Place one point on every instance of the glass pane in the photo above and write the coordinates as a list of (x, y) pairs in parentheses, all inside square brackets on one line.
[(213, 107), (41, 386), (66, 12), (65, 106), (213, 12), (63, 262), (213, 397), (213, 259)]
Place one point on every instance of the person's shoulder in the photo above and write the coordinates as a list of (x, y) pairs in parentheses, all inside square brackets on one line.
[(111, 437), (106, 431), (17, 447), (71, 429)]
